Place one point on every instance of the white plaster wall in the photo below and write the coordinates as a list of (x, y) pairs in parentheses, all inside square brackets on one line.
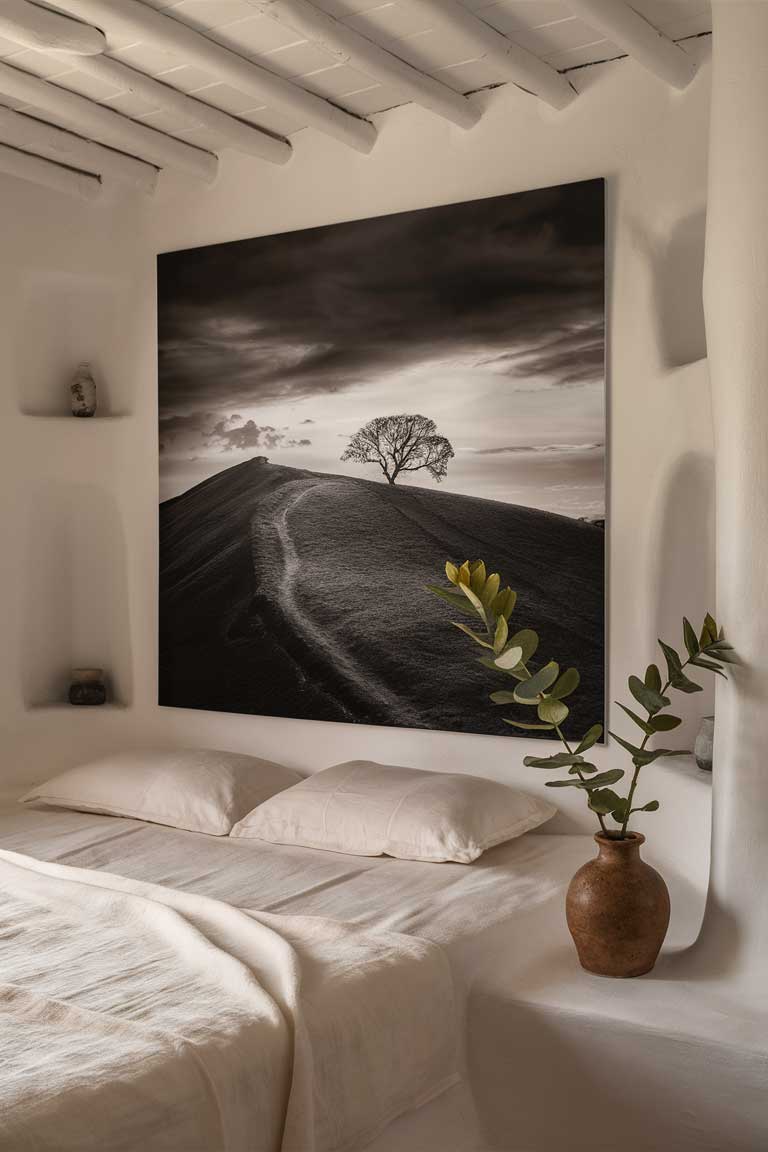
[(79, 503)]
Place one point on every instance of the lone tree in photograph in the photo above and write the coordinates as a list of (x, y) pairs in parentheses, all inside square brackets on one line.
[(401, 444)]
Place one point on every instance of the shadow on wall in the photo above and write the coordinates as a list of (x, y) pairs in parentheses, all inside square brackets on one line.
[(74, 598), (677, 269), (685, 564)]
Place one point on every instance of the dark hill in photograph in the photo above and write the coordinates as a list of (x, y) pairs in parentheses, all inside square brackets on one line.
[(296, 593)]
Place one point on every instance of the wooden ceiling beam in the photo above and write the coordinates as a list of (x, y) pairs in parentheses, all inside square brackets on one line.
[(233, 132), (102, 124), (351, 47), (516, 63), (46, 140), (36, 170), (639, 39), (162, 31), (43, 30)]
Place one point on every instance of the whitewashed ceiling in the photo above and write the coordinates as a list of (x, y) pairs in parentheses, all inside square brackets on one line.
[(424, 35)]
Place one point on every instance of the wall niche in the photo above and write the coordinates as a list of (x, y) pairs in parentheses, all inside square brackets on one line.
[(73, 594), (67, 319)]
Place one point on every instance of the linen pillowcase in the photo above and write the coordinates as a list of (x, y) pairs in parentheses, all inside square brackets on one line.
[(195, 789), (369, 809)]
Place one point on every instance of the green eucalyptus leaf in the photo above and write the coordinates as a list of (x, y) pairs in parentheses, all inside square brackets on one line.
[(619, 813), (553, 711), (699, 662), (603, 800), (648, 755), (653, 678), (500, 636), (456, 599), (690, 638), (556, 760), (727, 655), (563, 784), (681, 682), (631, 748), (565, 684), (591, 737), (531, 689), (585, 768), (651, 806), (510, 657), (530, 727), (526, 639), (517, 672), (674, 663), (665, 722), (650, 700), (646, 727), (503, 697), (468, 632), (612, 776)]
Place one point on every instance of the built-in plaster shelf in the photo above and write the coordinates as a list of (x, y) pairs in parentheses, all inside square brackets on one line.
[(67, 416), (59, 706)]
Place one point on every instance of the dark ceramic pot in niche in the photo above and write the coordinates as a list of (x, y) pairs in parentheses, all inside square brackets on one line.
[(617, 909), (87, 687)]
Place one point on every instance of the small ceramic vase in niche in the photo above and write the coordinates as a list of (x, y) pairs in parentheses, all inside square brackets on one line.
[(87, 686), (705, 738), (83, 389)]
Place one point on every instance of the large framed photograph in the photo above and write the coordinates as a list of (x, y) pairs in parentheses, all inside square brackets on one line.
[(345, 408)]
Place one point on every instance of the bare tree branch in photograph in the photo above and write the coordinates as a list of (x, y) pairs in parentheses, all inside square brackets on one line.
[(401, 444)]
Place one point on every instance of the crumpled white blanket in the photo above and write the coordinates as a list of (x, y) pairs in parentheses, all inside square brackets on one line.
[(134, 1016)]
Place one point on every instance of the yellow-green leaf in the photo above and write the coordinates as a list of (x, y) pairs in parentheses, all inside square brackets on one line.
[(468, 632), (500, 637), (477, 577)]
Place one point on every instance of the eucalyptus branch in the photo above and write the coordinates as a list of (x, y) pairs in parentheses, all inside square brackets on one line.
[(508, 655)]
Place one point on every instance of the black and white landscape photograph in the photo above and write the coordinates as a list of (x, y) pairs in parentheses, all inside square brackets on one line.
[(343, 409)]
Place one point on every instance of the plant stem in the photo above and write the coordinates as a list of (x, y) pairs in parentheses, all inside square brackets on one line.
[(636, 775)]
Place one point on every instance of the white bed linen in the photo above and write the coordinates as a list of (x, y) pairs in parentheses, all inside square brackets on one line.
[(446, 903), (136, 1016)]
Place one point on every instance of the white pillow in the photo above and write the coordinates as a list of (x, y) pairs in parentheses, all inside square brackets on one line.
[(370, 809), (198, 790)]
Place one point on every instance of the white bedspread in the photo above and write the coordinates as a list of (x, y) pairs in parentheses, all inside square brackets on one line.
[(134, 1016)]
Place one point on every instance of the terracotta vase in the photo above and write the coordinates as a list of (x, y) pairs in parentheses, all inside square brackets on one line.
[(617, 909)]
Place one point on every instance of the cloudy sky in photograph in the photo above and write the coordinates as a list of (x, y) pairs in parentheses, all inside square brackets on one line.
[(486, 316)]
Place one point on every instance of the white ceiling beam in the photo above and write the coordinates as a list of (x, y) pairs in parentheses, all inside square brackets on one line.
[(53, 143), (161, 31), (351, 47), (102, 124), (234, 133), (639, 39), (35, 170), (41, 29), (515, 62)]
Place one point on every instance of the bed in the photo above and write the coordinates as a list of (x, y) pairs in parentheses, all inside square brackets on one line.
[(409, 922), (518, 997)]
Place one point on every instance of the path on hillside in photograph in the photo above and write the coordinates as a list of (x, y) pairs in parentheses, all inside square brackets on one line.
[(295, 593)]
